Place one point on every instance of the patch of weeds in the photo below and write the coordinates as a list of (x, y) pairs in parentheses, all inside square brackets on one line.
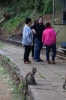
[(14, 89), (41, 76), (42, 64), (16, 93), (1, 70), (64, 91), (62, 78), (6, 59), (57, 73), (21, 86), (1, 44)]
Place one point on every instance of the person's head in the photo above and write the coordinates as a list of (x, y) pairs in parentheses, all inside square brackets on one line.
[(28, 21), (34, 70), (34, 22), (40, 20), (48, 25)]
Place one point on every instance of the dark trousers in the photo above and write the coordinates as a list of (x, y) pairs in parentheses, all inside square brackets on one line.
[(48, 48), (37, 49), (26, 53), (33, 51), (33, 46)]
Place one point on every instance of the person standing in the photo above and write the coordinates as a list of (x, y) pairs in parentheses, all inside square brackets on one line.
[(39, 27), (27, 40), (64, 17), (49, 40), (32, 49)]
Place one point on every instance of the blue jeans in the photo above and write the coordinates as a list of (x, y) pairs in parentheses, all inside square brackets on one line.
[(64, 21), (37, 49), (48, 48)]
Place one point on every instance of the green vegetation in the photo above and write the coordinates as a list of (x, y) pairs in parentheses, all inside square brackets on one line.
[(1, 45), (14, 22), (6, 59), (20, 9), (14, 90), (41, 76), (23, 5)]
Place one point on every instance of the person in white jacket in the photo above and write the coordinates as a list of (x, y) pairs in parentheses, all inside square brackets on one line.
[(27, 40)]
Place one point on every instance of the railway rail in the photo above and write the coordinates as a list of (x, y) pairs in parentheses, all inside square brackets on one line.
[(60, 53)]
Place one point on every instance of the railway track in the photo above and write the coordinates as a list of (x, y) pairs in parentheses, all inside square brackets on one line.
[(11, 42), (60, 53)]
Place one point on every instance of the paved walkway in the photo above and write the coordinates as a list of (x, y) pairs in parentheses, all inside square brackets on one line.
[(50, 78)]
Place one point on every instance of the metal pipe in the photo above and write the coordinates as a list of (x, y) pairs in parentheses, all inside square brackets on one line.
[(53, 14)]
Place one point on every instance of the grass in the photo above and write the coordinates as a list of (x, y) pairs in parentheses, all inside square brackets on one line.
[(41, 76), (13, 22), (14, 90), (1, 44), (6, 59), (64, 91)]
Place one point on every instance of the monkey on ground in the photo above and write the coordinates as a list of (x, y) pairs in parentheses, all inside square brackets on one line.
[(64, 85), (30, 80), (6, 15)]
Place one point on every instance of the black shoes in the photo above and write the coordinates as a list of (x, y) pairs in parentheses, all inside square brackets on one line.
[(38, 60), (41, 60)]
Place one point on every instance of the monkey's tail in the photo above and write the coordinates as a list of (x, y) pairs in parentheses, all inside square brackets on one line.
[(64, 85), (65, 78), (26, 90)]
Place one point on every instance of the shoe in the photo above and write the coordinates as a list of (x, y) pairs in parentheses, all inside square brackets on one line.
[(41, 60), (49, 62), (27, 62), (53, 62), (36, 60)]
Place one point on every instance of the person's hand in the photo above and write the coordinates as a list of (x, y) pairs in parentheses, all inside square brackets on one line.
[(57, 31), (34, 32)]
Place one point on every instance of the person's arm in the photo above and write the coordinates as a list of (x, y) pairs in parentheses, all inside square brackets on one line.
[(33, 31), (57, 31), (43, 37), (28, 36), (33, 26)]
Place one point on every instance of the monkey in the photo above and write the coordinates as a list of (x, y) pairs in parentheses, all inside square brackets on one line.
[(64, 85), (30, 80), (6, 15)]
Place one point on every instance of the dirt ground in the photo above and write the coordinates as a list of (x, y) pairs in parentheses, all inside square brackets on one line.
[(8, 88), (4, 90)]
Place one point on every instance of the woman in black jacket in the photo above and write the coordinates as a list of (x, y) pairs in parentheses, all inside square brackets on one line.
[(39, 28)]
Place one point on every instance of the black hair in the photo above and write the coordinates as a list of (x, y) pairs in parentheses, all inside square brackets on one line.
[(28, 20), (48, 25), (39, 18)]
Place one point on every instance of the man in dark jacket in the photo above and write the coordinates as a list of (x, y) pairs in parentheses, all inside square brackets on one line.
[(39, 27)]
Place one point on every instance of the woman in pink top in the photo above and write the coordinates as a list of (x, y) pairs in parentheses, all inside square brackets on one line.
[(49, 40)]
